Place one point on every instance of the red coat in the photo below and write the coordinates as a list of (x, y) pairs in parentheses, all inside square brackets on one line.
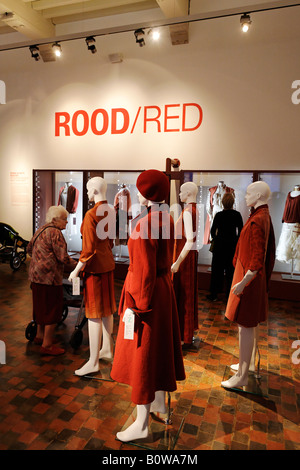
[(185, 280), (153, 360), (255, 251)]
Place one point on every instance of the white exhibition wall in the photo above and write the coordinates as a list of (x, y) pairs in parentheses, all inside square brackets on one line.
[(133, 115)]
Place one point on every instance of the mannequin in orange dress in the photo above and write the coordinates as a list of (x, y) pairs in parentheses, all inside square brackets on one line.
[(253, 260), (185, 260), (97, 263)]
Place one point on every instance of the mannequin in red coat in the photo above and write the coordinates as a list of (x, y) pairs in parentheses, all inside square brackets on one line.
[(150, 361), (253, 260)]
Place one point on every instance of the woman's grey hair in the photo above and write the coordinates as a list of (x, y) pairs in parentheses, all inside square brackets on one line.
[(55, 212)]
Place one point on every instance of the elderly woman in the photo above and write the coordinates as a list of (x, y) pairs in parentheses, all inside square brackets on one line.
[(48, 250)]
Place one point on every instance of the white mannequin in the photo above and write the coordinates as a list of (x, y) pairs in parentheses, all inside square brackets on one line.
[(257, 194), (296, 191), (98, 328), (139, 429), (188, 194)]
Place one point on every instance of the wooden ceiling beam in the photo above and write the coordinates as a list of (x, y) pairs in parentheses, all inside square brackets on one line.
[(25, 20), (179, 33)]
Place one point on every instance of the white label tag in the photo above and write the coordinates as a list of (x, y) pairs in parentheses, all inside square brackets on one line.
[(128, 319), (76, 286)]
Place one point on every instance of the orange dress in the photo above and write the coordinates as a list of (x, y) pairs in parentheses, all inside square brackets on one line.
[(185, 281), (98, 274), (255, 251), (153, 360)]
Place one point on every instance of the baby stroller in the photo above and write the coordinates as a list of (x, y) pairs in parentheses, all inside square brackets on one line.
[(13, 248)]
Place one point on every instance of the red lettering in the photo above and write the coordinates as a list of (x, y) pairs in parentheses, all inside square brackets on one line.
[(184, 128), (125, 114), (167, 106), (156, 119), (85, 122), (63, 124), (105, 121), (100, 120)]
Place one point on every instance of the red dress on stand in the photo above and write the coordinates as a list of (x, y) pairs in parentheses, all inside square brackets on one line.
[(152, 361), (255, 251), (185, 281)]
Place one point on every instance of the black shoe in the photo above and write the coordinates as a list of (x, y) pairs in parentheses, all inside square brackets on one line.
[(212, 298)]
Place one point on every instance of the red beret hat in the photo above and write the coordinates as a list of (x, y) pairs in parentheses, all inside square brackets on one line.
[(153, 185)]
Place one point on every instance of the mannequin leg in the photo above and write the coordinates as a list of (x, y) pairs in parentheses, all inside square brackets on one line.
[(159, 403), (253, 356), (106, 351), (246, 339), (95, 333), (138, 429)]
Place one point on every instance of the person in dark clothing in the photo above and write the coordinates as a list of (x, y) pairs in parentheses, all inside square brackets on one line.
[(225, 231)]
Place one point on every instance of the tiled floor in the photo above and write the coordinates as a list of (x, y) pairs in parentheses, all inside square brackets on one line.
[(44, 406)]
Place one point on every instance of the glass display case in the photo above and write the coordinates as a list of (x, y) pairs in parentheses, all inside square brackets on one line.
[(281, 184), (68, 188), (51, 187), (59, 187), (211, 187)]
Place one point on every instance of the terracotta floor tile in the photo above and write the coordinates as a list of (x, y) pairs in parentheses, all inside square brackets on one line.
[(43, 405)]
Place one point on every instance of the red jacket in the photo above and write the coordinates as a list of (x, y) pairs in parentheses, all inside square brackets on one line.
[(255, 251), (153, 360)]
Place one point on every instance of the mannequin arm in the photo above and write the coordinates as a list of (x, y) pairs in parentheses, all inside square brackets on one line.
[(80, 265), (188, 228), (238, 288)]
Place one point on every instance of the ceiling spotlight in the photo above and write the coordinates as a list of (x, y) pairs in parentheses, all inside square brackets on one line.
[(154, 33), (90, 42), (34, 52), (57, 49), (139, 39), (245, 22)]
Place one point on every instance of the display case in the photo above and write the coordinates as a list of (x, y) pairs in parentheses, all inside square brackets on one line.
[(60, 187), (50, 186), (286, 274), (68, 188), (281, 184)]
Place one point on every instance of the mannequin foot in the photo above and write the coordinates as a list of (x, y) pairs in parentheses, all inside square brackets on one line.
[(235, 381), (132, 433), (88, 368), (236, 367)]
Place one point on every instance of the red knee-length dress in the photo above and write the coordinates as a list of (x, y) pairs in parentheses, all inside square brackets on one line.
[(185, 281), (153, 360)]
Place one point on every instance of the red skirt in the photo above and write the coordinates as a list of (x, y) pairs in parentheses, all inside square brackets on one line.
[(47, 301), (99, 294)]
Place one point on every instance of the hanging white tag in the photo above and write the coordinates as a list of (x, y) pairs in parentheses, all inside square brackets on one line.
[(128, 319), (76, 286)]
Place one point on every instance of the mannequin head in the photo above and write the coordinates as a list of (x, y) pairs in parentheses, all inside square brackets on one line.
[(96, 188), (188, 192), (58, 216), (257, 194)]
